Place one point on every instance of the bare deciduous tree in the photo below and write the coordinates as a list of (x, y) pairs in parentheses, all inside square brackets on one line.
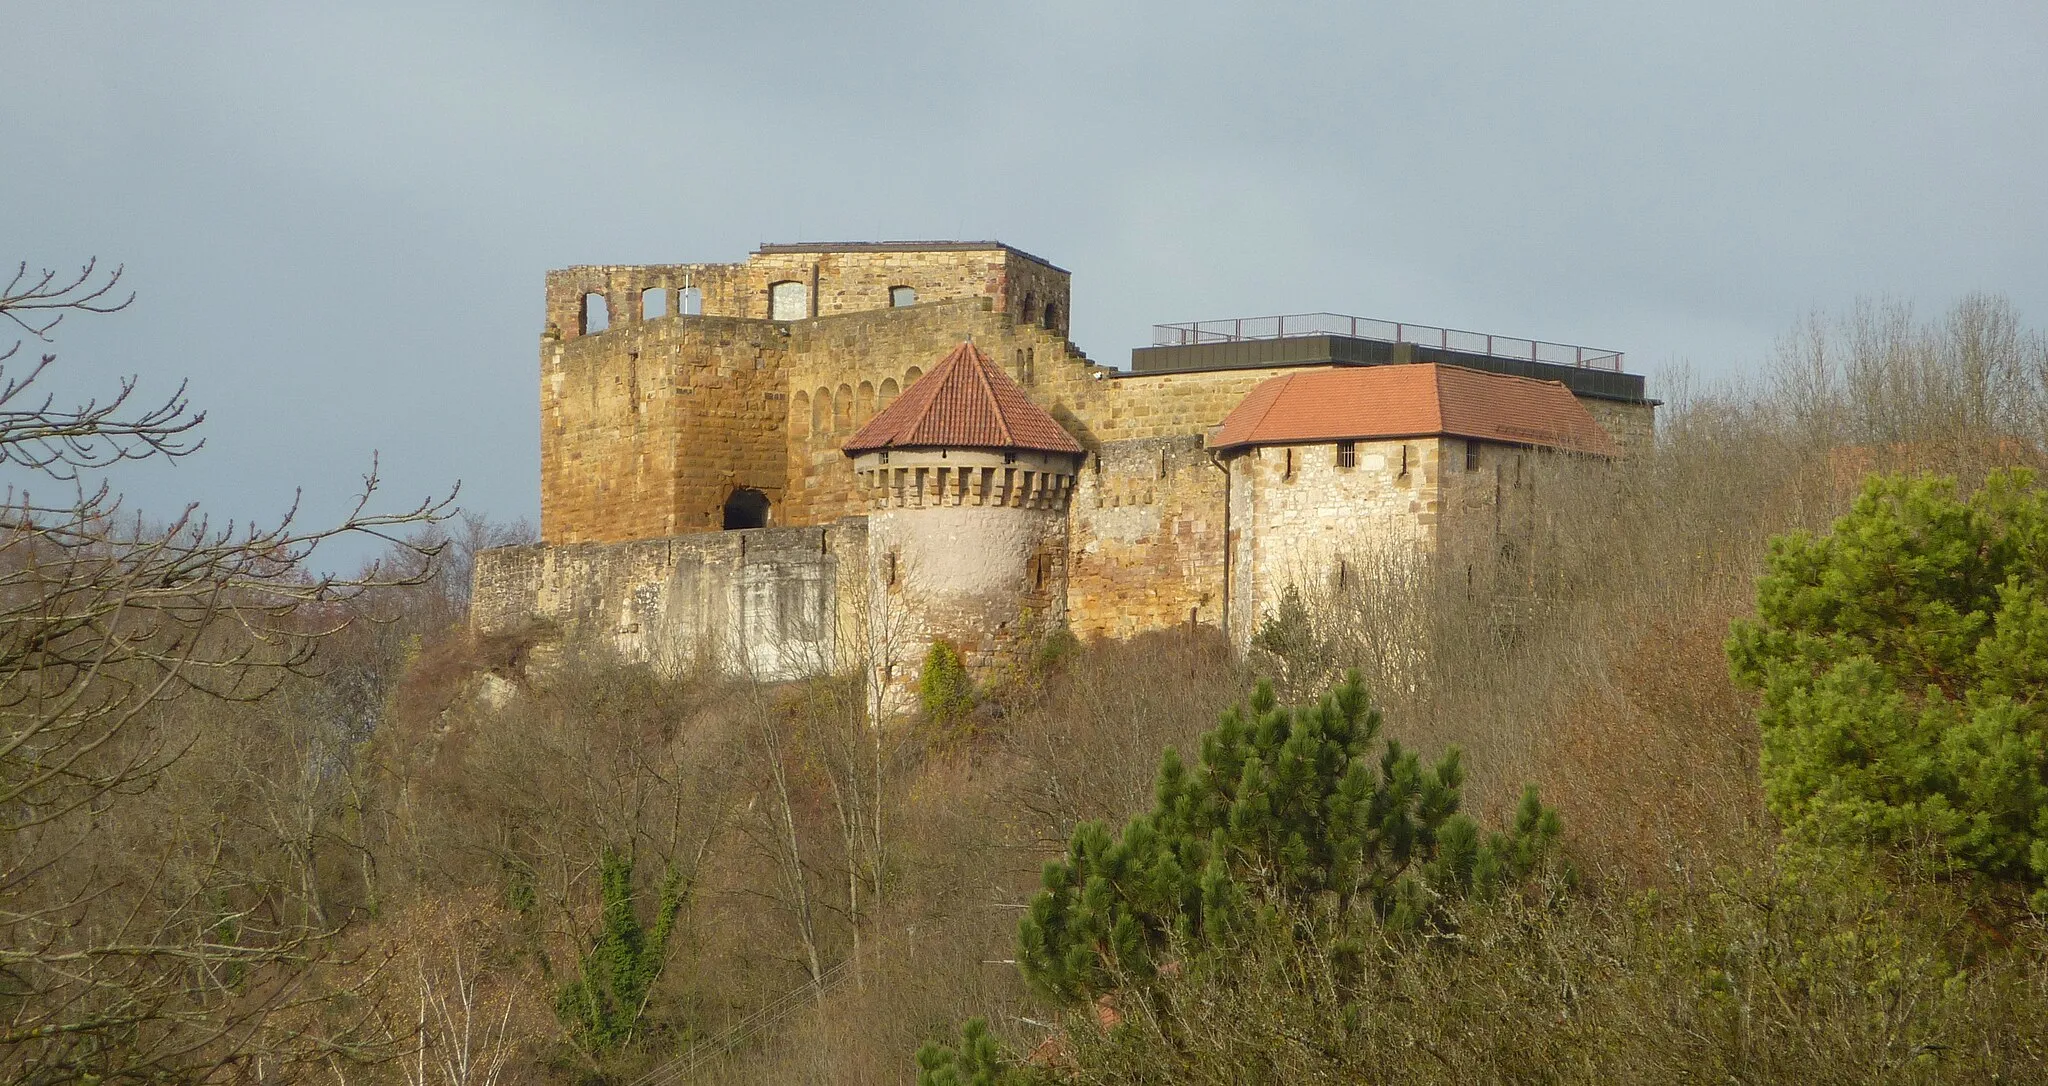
[(105, 620)]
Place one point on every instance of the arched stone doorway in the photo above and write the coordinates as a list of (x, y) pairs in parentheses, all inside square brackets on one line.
[(746, 508)]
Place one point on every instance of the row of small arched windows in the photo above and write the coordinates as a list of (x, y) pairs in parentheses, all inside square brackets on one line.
[(596, 315), (824, 413), (1047, 318), (788, 300)]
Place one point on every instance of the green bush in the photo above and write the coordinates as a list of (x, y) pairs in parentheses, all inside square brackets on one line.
[(943, 689), (1288, 645), (1903, 661), (604, 1005)]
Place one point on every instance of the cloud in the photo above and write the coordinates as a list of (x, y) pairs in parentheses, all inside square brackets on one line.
[(338, 217)]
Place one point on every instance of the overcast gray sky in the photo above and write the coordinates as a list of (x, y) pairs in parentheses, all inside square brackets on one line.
[(337, 216)]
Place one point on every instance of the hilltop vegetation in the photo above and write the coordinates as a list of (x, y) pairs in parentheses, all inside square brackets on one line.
[(420, 856)]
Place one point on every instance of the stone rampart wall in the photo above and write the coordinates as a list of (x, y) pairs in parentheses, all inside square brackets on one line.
[(1147, 534), (771, 603)]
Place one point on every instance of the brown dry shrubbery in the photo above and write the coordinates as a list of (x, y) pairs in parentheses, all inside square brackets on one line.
[(443, 804), (1799, 969)]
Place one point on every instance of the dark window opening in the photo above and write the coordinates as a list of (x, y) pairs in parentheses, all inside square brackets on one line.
[(1404, 460), (1052, 316), (892, 569), (654, 304), (1347, 454), (1030, 308), (1009, 456), (690, 302), (902, 296), (746, 509), (1471, 456), (597, 316), (1287, 466)]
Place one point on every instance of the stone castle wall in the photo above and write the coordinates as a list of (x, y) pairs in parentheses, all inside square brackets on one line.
[(1297, 517), (1148, 538), (646, 430), (1631, 425), (774, 603), (833, 282)]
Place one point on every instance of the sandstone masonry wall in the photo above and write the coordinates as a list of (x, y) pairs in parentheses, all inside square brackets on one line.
[(647, 429), (1297, 516), (1147, 538), (832, 282), (1631, 425)]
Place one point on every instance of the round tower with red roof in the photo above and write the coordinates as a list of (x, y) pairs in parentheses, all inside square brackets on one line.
[(966, 481)]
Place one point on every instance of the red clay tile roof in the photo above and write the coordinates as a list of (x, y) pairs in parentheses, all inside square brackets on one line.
[(965, 402), (1419, 400)]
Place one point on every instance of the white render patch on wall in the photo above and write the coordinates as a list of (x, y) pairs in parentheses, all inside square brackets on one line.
[(985, 578), (767, 603)]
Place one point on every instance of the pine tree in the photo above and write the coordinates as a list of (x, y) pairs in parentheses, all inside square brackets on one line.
[(1903, 660), (1285, 814), (979, 1060)]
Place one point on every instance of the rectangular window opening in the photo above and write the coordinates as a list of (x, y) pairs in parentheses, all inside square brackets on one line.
[(1347, 454), (1471, 456)]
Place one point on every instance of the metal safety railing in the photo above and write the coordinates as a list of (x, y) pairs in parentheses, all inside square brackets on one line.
[(1295, 325)]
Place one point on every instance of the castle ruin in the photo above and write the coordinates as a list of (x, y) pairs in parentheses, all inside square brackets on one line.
[(827, 456)]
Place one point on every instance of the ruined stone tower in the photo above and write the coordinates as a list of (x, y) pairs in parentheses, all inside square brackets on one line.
[(966, 483)]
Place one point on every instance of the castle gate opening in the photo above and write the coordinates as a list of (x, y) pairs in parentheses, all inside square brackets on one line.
[(746, 508)]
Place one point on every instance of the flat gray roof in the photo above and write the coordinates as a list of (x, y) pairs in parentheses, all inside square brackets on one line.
[(902, 247)]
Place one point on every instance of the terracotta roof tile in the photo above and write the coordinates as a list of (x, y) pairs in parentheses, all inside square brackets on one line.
[(965, 402), (1420, 400)]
